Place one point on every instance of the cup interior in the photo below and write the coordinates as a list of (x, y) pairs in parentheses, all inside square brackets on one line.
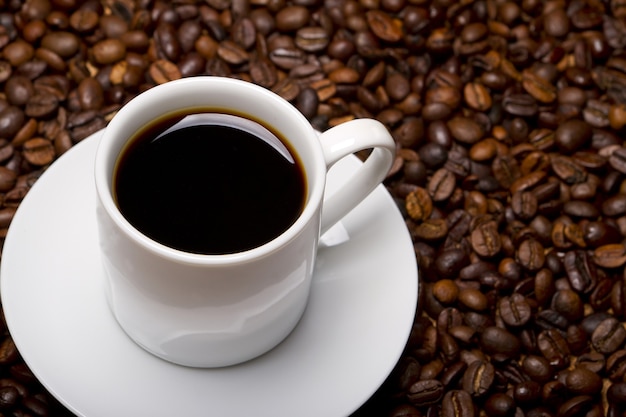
[(219, 95)]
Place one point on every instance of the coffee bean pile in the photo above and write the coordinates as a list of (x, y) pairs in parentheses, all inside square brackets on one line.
[(510, 171)]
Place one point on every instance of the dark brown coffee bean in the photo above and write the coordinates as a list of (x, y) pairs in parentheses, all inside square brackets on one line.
[(441, 185), (165, 40), (498, 341), (568, 170), (485, 239), (431, 229), (405, 410), (614, 205), (616, 365), (8, 351), (465, 130), (553, 345), (569, 304), (11, 120), (84, 20), (8, 179), (580, 209), (292, 18), (520, 105), (90, 94), (580, 270), (6, 215), (582, 381), (478, 378), (425, 392), (515, 310), (617, 393), (384, 26), (287, 58), (312, 39), (572, 135), (453, 374), (38, 151), (419, 204), (232, 53), (457, 403), (505, 170), (524, 204), (473, 299), (9, 396), (576, 406), (163, 71), (608, 336), (527, 393), (64, 44), (593, 361), (618, 159), (109, 51), (537, 368), (538, 87), (610, 255), (18, 90), (550, 319), (530, 254), (499, 405), (41, 105)]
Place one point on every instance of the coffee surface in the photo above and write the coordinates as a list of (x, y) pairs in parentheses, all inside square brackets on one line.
[(209, 187)]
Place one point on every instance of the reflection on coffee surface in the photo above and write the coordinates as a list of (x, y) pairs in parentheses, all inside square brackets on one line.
[(209, 183)]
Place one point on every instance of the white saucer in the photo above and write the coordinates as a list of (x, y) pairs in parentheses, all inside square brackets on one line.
[(352, 334)]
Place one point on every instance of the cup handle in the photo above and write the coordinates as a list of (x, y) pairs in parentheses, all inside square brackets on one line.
[(343, 140)]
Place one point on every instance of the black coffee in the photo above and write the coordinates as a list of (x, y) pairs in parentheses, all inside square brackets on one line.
[(209, 183)]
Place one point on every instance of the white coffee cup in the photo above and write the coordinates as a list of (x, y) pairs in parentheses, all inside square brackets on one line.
[(218, 310)]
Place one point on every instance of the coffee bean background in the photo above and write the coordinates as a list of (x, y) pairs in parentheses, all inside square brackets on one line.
[(509, 118)]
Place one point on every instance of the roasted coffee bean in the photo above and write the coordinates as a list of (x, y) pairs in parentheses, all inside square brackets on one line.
[(38, 151), (465, 130), (109, 51), (537, 368), (41, 105), (530, 254), (572, 135), (478, 378), (608, 336), (498, 341), (553, 345), (583, 381), (515, 310), (312, 38), (425, 392), (163, 71), (617, 393), (457, 403), (569, 304), (610, 256), (292, 18), (441, 185), (576, 406), (617, 159), (500, 405), (616, 365), (485, 239), (527, 393), (580, 270)]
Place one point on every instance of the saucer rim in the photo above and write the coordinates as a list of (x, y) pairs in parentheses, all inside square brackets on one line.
[(412, 303)]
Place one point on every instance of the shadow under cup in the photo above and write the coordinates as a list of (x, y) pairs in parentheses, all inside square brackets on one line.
[(223, 308)]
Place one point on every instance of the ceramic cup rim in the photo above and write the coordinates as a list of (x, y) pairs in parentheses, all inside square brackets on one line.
[(191, 90)]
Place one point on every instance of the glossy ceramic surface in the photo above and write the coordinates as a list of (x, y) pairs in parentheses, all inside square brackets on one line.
[(361, 309)]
